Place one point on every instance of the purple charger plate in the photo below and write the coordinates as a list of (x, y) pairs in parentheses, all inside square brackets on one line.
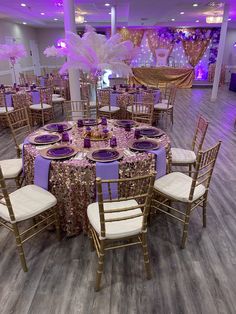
[(150, 132), (54, 126), (144, 145), (105, 154), (124, 123), (46, 138), (60, 151)]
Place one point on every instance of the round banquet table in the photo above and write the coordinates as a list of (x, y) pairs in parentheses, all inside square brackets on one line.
[(73, 181)]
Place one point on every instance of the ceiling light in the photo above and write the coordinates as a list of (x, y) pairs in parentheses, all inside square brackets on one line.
[(42, 13), (24, 23), (181, 13), (55, 19), (214, 19), (107, 4), (79, 19), (195, 5), (123, 27), (23, 4), (197, 21), (229, 19), (109, 12), (172, 20)]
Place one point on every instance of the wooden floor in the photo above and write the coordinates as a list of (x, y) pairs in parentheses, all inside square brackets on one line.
[(199, 279)]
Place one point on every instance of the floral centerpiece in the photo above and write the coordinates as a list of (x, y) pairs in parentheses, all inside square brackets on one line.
[(12, 52)]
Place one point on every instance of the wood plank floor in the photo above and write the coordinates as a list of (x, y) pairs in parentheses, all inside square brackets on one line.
[(199, 279)]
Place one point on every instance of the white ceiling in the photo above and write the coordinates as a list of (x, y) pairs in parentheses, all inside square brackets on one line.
[(145, 13)]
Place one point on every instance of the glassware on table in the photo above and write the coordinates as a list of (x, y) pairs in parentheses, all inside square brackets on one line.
[(104, 121), (137, 134), (127, 127), (113, 141), (80, 123), (105, 133), (60, 128), (87, 142), (65, 137)]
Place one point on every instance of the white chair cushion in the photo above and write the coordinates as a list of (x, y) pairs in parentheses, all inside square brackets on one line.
[(28, 202), (39, 106), (182, 156), (57, 99), (164, 101), (177, 185), (56, 95), (107, 109), (162, 106), (92, 104), (3, 109), (11, 168), (116, 229)]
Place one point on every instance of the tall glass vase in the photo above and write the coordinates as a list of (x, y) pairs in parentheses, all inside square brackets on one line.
[(13, 62)]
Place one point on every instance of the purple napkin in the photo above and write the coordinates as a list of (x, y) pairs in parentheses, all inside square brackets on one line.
[(41, 171), (35, 97), (108, 171), (8, 98), (25, 142), (160, 161), (113, 99)]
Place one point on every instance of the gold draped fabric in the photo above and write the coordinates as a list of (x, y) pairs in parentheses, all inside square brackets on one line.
[(135, 35), (195, 50), (181, 77), (156, 41)]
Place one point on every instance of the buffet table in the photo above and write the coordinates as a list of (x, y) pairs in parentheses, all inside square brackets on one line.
[(72, 181), (181, 77)]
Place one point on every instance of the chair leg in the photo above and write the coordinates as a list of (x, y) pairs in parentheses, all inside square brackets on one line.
[(20, 247), (204, 212), (57, 225), (100, 266), (190, 170), (18, 185), (92, 248), (146, 255), (186, 225)]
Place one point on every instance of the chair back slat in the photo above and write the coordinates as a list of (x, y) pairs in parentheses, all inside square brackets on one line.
[(6, 200), (138, 188), (79, 109), (199, 134), (19, 123), (204, 168), (142, 112)]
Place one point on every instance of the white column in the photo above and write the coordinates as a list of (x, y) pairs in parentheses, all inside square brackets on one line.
[(69, 25), (113, 20), (220, 54)]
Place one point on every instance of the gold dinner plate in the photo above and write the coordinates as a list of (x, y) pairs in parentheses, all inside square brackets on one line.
[(45, 152)]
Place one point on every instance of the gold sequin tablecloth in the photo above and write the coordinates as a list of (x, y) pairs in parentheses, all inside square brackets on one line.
[(181, 77), (73, 181)]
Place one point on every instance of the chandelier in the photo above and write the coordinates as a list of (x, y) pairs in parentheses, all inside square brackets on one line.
[(214, 19)]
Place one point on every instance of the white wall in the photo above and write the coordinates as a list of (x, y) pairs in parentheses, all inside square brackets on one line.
[(23, 34), (45, 38)]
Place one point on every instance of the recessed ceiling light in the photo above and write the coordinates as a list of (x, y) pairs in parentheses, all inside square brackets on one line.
[(85, 21), (172, 20), (42, 13), (229, 19), (195, 5), (182, 13), (197, 21), (109, 12), (123, 27), (107, 4), (23, 4), (24, 23), (55, 19)]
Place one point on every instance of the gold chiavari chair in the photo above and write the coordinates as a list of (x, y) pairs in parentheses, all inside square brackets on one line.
[(30, 202), (42, 112), (120, 220), (166, 106), (184, 157), (22, 79), (30, 79), (78, 109), (142, 112), (105, 108), (4, 109), (19, 123), (189, 191), (21, 100)]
